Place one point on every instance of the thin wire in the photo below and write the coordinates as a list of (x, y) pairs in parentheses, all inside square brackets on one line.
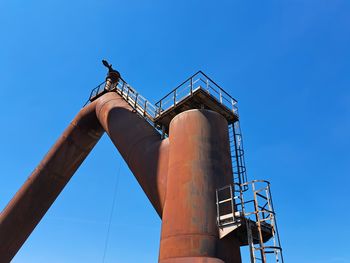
[(111, 214)]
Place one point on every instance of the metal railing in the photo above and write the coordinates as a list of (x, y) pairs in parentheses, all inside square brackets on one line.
[(96, 92), (130, 95), (140, 104), (197, 81), (151, 112)]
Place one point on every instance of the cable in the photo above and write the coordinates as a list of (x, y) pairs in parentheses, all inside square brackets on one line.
[(111, 214)]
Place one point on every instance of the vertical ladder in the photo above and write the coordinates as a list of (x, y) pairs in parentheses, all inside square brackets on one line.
[(237, 156), (228, 217), (225, 206)]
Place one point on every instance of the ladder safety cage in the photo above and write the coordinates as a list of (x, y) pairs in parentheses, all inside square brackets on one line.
[(239, 170), (255, 210)]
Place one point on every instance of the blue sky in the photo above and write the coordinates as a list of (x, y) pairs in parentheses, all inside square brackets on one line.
[(286, 62)]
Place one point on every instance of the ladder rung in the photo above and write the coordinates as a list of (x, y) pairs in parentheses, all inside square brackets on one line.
[(223, 188), (225, 200), (264, 219), (227, 216)]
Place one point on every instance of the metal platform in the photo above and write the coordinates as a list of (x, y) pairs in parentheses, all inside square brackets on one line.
[(242, 236), (197, 92)]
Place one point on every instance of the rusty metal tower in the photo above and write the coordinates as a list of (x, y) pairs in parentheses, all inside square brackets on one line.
[(244, 209), (186, 152)]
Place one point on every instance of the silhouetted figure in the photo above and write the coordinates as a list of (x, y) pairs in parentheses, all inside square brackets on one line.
[(113, 76)]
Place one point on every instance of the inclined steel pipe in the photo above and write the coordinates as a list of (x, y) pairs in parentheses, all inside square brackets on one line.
[(34, 198)]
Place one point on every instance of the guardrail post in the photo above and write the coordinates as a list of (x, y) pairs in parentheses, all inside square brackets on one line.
[(160, 107), (233, 108), (135, 103), (174, 97), (191, 86), (220, 96), (91, 95), (145, 108)]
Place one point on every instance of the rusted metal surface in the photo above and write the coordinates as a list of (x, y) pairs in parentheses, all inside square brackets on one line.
[(199, 162), (35, 197), (139, 143), (179, 175)]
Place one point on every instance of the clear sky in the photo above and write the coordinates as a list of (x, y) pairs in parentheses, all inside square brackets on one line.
[(286, 62)]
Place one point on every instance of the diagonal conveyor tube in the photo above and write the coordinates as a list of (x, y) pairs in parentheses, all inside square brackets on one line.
[(139, 144)]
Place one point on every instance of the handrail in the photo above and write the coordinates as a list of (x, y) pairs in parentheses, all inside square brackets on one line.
[(95, 91), (152, 111), (136, 100), (187, 87), (197, 73), (178, 87)]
